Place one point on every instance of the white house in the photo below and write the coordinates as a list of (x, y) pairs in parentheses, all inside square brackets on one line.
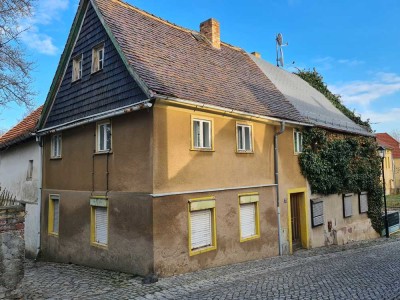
[(20, 174)]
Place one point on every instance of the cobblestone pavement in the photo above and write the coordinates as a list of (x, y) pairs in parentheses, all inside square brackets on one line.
[(364, 270)]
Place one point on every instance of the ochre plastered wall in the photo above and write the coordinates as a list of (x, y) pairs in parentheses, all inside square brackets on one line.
[(129, 163), (171, 249), (177, 168)]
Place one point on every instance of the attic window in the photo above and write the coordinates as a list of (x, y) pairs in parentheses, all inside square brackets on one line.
[(97, 58), (77, 68)]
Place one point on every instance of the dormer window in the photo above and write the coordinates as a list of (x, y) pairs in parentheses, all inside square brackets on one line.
[(97, 58), (77, 68)]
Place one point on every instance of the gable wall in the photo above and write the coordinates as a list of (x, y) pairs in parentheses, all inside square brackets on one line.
[(107, 89)]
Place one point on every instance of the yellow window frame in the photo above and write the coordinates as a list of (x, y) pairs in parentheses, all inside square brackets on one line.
[(250, 198), (201, 118), (248, 124), (50, 221), (214, 226)]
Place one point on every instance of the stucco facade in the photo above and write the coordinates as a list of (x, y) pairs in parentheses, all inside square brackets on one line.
[(14, 165)]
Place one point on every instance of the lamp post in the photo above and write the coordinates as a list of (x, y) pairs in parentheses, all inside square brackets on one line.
[(382, 153)]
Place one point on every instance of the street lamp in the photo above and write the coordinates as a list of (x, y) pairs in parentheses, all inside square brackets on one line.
[(382, 154)]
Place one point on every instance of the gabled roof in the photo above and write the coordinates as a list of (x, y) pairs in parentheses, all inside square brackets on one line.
[(22, 131), (309, 102), (388, 141), (174, 61), (168, 60)]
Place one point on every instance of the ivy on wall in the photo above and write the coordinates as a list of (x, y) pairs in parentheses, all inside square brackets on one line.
[(339, 164)]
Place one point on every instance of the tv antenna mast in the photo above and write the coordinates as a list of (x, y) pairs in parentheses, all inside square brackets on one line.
[(279, 51)]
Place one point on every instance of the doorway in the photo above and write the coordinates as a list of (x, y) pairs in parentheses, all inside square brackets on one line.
[(298, 219)]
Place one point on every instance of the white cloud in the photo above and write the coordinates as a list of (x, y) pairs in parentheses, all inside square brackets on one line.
[(365, 92), (44, 14), (383, 117), (328, 62)]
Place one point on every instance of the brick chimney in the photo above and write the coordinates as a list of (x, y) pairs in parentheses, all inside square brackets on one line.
[(210, 29)]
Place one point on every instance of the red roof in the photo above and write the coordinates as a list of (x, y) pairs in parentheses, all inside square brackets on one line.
[(388, 141), (22, 130)]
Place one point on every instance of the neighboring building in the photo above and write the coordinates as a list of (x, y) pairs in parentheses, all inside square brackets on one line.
[(20, 174), (392, 162), (159, 150)]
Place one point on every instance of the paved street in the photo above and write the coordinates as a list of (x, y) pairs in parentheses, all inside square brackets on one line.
[(365, 270)]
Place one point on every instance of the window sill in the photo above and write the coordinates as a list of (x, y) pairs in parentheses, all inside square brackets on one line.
[(244, 152), (56, 158), (102, 152), (202, 250), (100, 246), (254, 237), (96, 72), (297, 153), (76, 80), (202, 150), (53, 234)]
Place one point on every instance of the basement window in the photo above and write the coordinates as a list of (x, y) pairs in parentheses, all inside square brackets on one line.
[(347, 205), (54, 215), (249, 217), (99, 221), (202, 230), (363, 202), (77, 68), (98, 58)]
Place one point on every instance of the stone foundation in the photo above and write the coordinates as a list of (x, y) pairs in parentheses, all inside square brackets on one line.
[(12, 251)]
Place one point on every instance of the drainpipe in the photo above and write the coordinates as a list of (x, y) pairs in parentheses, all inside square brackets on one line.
[(39, 140), (276, 167)]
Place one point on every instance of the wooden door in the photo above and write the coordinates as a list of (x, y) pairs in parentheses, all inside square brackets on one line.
[(295, 220)]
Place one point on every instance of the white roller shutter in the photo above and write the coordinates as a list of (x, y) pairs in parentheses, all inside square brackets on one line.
[(248, 219), (56, 208), (347, 206), (201, 226), (101, 225)]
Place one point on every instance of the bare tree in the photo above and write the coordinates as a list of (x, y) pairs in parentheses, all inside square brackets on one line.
[(395, 133), (15, 79)]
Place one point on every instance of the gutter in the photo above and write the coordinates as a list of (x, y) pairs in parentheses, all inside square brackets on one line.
[(96, 117), (276, 167), (229, 111)]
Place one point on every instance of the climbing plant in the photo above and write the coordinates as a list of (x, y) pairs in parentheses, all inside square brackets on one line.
[(338, 164), (317, 81)]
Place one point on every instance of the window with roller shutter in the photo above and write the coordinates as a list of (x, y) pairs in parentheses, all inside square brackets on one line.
[(347, 205), (54, 215), (99, 221), (363, 202), (249, 217), (202, 233)]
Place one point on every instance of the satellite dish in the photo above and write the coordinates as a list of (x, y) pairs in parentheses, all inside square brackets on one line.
[(280, 62)]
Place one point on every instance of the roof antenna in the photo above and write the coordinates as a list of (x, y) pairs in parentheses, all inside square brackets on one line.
[(279, 51)]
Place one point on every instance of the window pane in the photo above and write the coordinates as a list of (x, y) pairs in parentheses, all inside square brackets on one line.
[(247, 136), (196, 134), (296, 144), (240, 137), (206, 135), (108, 136), (101, 138)]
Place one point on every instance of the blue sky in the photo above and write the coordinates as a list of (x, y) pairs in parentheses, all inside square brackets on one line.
[(353, 44)]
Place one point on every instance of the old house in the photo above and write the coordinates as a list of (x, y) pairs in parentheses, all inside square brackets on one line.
[(20, 174), (391, 162), (167, 150)]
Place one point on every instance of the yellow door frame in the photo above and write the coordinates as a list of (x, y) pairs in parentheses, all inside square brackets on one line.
[(304, 218)]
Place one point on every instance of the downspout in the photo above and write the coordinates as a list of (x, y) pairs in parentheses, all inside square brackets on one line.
[(39, 140), (276, 167)]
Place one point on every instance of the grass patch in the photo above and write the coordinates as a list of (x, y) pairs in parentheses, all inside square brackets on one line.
[(393, 200)]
